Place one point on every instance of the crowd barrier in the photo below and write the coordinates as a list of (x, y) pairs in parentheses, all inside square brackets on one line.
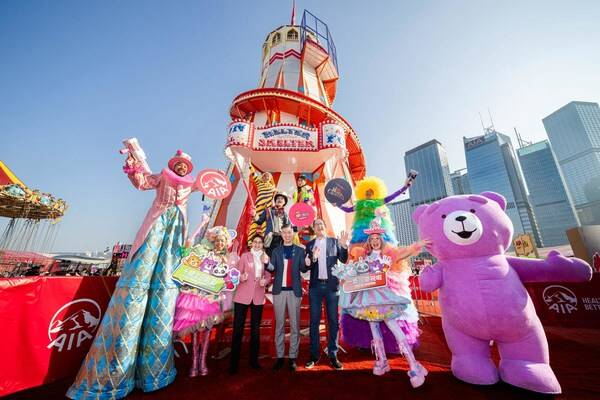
[(48, 323)]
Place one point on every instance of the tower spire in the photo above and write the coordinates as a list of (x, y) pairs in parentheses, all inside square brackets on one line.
[(293, 22)]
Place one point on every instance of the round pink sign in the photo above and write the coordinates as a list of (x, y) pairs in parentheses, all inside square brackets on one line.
[(214, 184), (301, 214)]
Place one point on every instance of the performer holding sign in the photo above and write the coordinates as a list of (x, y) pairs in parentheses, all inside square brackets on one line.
[(131, 349), (367, 301), (206, 273)]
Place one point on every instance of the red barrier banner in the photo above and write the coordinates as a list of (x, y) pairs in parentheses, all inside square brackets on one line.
[(48, 324), (567, 304)]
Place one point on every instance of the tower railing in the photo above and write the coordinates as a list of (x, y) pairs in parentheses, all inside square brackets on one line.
[(311, 23)]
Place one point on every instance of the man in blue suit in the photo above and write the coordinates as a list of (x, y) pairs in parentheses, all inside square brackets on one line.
[(322, 254), (287, 261)]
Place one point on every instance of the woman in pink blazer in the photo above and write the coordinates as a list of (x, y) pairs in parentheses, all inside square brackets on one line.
[(250, 293)]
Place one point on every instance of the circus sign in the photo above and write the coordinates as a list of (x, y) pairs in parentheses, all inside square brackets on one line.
[(285, 138), (333, 135), (238, 133), (74, 323)]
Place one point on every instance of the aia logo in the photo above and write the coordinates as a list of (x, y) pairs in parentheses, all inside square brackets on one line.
[(74, 323), (560, 299), (214, 184)]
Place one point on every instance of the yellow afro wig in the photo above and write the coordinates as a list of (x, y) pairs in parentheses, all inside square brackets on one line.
[(370, 182)]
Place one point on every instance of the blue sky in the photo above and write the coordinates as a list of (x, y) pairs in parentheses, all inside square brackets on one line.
[(78, 77)]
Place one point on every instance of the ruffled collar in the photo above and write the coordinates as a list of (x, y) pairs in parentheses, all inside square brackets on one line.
[(172, 177)]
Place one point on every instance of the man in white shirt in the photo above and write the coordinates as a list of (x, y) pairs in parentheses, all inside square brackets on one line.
[(322, 254)]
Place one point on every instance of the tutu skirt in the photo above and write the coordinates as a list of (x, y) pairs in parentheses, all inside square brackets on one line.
[(195, 311)]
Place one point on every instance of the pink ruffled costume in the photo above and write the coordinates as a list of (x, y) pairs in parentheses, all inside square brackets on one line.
[(171, 189)]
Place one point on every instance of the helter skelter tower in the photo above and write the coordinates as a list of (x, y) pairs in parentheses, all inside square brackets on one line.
[(287, 126)]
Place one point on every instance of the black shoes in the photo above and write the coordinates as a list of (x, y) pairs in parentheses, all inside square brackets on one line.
[(255, 366), (311, 364), (293, 366), (335, 363), (278, 364)]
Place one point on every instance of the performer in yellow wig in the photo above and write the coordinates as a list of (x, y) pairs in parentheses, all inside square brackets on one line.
[(371, 195)]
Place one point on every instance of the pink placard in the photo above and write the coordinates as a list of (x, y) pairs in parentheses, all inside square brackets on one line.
[(214, 184), (301, 214)]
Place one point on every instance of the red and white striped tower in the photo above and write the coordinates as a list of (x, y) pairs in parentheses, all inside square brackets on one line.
[(287, 126)]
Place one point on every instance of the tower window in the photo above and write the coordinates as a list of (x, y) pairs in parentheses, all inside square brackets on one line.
[(292, 34), (276, 39)]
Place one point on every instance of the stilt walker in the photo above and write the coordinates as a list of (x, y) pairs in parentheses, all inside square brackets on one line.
[(133, 346)]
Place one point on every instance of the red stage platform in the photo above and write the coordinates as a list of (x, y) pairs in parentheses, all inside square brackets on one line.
[(574, 356)]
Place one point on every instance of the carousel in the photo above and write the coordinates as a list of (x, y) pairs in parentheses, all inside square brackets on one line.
[(287, 127), (33, 221)]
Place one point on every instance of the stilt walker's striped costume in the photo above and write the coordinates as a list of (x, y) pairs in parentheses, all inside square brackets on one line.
[(266, 189), (133, 346)]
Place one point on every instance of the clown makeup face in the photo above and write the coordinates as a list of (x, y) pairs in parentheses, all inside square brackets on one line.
[(279, 202), (180, 168), (369, 193), (220, 243), (375, 242)]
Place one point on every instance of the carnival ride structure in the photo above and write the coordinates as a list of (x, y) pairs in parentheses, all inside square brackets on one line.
[(287, 126), (33, 215)]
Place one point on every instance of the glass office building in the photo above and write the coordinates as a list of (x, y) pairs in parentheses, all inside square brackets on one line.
[(574, 132), (460, 182), (493, 166), (433, 182), (401, 214), (554, 212)]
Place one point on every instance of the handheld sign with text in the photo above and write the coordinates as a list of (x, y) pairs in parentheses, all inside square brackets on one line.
[(301, 214), (338, 191), (363, 274), (206, 272), (214, 184), (366, 281)]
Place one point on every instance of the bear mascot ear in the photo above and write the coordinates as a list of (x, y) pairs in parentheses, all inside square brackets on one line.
[(498, 198), (418, 212)]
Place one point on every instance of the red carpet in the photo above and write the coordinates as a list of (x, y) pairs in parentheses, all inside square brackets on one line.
[(575, 355)]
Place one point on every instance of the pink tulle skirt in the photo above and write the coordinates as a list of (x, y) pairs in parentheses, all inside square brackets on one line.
[(194, 312)]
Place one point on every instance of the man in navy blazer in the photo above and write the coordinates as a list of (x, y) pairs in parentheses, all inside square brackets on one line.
[(322, 254), (287, 261)]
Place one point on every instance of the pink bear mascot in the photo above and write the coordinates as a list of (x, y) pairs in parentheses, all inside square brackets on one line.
[(482, 294)]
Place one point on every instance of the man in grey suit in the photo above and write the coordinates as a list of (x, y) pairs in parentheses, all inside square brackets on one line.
[(287, 261)]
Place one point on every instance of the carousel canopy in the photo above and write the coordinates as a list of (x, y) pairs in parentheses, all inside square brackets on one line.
[(18, 201)]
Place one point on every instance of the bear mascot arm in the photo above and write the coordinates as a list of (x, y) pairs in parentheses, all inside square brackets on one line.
[(555, 268), (430, 278)]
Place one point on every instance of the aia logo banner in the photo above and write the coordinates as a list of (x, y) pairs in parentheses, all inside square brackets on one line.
[(560, 299), (74, 323)]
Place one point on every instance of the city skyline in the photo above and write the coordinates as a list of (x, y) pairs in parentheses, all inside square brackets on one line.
[(548, 195), (574, 131), (492, 165), (167, 74)]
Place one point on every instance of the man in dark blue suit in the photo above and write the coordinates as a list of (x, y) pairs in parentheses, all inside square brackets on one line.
[(322, 254)]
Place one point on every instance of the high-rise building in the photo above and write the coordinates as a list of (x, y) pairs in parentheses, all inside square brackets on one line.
[(493, 166), (433, 182), (460, 182), (401, 214), (574, 132), (554, 212)]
